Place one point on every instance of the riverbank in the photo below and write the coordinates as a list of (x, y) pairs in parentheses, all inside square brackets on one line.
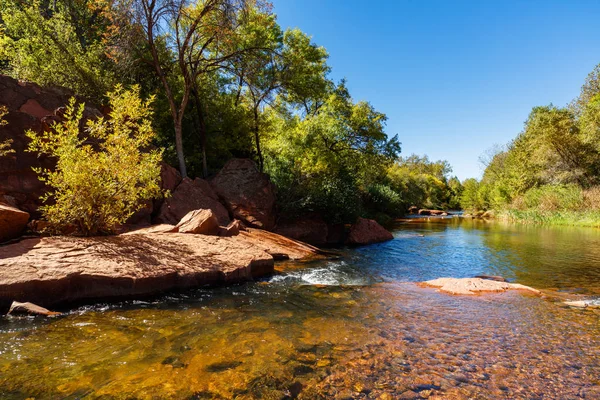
[(57, 271), (590, 219)]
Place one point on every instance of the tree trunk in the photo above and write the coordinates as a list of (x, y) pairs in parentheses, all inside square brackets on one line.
[(261, 161), (179, 149), (202, 130)]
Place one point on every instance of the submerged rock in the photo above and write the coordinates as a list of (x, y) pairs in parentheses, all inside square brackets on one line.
[(594, 303), (55, 270), (469, 286), (367, 231)]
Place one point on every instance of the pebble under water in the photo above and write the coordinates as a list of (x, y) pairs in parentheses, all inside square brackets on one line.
[(356, 327)]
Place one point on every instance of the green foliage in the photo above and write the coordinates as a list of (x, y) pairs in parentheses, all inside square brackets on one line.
[(105, 175), (552, 198), (383, 199), (424, 183), (546, 170), (62, 45), (323, 162), (228, 82)]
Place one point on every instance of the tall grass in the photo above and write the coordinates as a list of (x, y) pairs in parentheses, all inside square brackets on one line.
[(556, 205)]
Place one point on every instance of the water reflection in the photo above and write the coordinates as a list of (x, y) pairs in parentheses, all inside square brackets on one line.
[(349, 328)]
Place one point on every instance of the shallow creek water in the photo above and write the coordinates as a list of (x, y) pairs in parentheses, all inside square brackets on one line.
[(357, 327)]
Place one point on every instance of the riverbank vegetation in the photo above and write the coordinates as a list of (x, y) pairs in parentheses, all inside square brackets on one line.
[(550, 172), (228, 82)]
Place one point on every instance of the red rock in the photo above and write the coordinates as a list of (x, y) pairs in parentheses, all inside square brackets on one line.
[(367, 231), (28, 108), (336, 234), (431, 212), (12, 222), (247, 193), (201, 222), (191, 195), (17, 308), (33, 108), (470, 286), (169, 177), (53, 270), (233, 229), (311, 230)]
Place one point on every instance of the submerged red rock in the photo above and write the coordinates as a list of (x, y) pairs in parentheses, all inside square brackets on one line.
[(469, 286)]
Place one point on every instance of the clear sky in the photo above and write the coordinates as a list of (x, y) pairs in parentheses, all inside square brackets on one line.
[(454, 77)]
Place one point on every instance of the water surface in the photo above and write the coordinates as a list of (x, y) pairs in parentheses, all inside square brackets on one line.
[(357, 327)]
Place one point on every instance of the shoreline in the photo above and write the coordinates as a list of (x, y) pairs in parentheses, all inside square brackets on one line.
[(59, 271)]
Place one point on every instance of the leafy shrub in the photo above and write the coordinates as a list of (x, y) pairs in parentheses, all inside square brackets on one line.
[(554, 198), (382, 198), (104, 175)]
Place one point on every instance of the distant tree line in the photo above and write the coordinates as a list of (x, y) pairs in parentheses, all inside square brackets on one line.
[(553, 165)]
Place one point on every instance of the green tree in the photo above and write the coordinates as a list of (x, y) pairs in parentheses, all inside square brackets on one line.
[(103, 177), (201, 37), (62, 43)]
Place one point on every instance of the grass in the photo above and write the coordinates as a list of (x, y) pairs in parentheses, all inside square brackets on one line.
[(588, 218)]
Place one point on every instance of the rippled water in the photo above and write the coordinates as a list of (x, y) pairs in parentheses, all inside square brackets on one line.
[(356, 327)]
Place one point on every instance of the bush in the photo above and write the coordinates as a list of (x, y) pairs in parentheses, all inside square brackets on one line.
[(105, 175), (554, 198), (382, 199)]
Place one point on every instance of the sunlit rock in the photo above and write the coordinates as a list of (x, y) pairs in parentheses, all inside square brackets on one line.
[(469, 286)]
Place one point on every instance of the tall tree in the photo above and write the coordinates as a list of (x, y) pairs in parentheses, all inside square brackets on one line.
[(200, 36)]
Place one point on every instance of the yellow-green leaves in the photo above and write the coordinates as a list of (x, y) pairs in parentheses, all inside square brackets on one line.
[(104, 174)]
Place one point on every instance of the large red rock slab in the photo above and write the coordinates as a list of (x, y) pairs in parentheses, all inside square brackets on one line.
[(248, 194), (188, 196), (12, 222), (367, 231), (61, 270)]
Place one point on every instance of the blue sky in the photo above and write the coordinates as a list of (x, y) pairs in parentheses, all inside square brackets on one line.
[(454, 77)]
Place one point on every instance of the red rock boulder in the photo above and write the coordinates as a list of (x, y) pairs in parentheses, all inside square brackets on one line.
[(367, 231), (247, 193), (233, 229), (188, 196), (201, 222), (29, 107), (312, 230), (432, 212), (12, 222), (170, 178)]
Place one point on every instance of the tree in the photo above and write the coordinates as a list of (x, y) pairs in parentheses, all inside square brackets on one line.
[(201, 37), (288, 64), (103, 177), (61, 43)]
